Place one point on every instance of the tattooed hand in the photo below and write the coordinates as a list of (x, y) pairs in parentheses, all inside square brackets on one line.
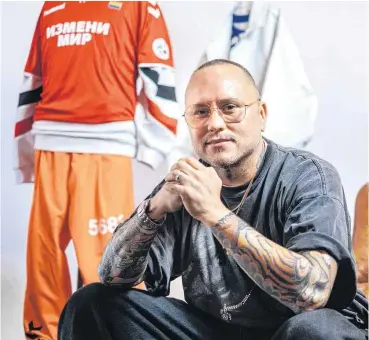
[(198, 186)]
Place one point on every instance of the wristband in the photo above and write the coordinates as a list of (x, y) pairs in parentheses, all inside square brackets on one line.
[(142, 213)]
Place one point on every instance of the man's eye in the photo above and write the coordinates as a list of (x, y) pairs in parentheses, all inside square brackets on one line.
[(201, 112), (229, 108)]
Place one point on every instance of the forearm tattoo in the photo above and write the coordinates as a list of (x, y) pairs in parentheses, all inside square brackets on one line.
[(125, 258), (299, 281)]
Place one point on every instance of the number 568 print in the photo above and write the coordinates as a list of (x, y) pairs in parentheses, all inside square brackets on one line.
[(104, 225)]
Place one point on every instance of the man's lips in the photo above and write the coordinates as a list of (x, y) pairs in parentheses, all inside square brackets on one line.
[(219, 140)]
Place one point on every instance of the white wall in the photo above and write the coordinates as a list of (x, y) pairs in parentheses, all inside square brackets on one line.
[(332, 37)]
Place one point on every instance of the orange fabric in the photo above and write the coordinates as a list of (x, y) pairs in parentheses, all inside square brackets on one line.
[(76, 196), (360, 238), (93, 49), (170, 123)]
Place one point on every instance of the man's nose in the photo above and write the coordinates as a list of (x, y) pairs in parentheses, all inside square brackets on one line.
[(215, 120)]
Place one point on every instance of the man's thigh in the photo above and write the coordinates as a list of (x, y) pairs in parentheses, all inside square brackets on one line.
[(112, 313), (321, 324)]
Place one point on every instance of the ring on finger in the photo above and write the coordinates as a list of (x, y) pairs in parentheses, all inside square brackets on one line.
[(178, 176)]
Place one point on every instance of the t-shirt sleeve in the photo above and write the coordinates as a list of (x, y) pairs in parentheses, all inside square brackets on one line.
[(322, 222), (165, 254), (163, 266)]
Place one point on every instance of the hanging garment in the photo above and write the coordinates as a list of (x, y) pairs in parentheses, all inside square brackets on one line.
[(78, 197), (256, 36), (87, 64), (99, 89)]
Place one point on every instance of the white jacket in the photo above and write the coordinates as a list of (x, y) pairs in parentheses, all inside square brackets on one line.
[(268, 52)]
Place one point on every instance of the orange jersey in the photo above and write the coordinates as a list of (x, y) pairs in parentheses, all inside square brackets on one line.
[(87, 55), (88, 62)]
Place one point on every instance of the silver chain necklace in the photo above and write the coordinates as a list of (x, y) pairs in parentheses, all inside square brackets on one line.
[(224, 312)]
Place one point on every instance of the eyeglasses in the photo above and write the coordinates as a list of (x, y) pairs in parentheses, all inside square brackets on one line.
[(232, 110)]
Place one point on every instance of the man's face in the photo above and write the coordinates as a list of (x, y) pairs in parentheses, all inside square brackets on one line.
[(217, 142)]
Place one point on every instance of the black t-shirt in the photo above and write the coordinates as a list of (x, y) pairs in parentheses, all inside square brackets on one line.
[(297, 201)]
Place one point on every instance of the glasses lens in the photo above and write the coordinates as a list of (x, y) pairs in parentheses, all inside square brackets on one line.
[(197, 114), (232, 110)]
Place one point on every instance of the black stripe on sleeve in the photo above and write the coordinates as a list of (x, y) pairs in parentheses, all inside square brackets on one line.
[(165, 92), (30, 97)]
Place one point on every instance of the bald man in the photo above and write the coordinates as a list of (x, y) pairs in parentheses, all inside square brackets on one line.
[(258, 232)]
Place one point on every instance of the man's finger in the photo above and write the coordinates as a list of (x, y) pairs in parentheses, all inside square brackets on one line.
[(174, 176), (185, 167), (194, 163), (177, 177), (178, 189)]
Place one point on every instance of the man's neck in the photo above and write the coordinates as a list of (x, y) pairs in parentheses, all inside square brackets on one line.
[(243, 173)]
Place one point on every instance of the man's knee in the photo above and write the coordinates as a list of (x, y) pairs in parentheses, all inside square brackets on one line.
[(98, 294), (315, 324), (88, 294)]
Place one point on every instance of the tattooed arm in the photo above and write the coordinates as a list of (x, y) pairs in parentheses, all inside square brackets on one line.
[(125, 258), (301, 281)]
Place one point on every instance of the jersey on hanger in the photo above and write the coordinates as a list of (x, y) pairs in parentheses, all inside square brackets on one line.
[(87, 65)]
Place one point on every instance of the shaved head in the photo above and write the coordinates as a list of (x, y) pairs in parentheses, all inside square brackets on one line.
[(216, 62), (220, 75)]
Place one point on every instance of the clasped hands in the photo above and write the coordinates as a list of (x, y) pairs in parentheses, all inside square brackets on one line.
[(191, 184)]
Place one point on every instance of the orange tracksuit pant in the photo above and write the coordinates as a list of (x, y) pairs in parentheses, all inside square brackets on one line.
[(78, 197)]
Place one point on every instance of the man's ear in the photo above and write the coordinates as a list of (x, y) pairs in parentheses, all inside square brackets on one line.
[(263, 112)]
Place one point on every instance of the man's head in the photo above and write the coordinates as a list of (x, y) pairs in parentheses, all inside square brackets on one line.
[(224, 115)]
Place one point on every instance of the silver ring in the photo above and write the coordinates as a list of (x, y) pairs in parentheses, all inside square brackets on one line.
[(178, 176)]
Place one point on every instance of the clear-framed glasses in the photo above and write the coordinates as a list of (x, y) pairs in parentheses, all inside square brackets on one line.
[(232, 110)]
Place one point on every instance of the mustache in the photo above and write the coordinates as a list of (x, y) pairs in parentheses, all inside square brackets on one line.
[(209, 138)]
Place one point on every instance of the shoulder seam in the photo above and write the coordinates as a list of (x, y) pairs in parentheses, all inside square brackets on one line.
[(312, 197), (315, 162)]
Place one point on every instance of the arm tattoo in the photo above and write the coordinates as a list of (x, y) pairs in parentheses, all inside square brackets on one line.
[(299, 281), (125, 258), (221, 223)]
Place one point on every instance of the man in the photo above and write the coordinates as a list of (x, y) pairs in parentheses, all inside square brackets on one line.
[(78, 129), (259, 233)]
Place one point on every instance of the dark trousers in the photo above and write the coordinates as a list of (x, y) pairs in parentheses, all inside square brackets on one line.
[(98, 312)]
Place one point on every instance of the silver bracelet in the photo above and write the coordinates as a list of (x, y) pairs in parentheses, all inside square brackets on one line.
[(145, 220)]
